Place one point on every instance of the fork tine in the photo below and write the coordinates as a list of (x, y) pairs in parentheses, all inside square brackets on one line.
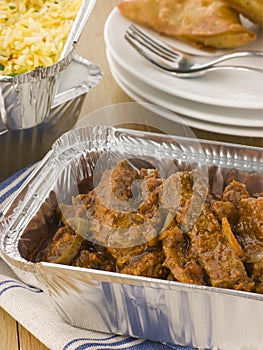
[(153, 44), (150, 55), (137, 42), (177, 64), (158, 45)]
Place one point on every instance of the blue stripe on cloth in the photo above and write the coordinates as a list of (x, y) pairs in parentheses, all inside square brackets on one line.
[(12, 179), (117, 342), (17, 284), (92, 340)]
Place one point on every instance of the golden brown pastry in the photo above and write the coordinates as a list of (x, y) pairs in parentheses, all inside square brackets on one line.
[(252, 9), (202, 23)]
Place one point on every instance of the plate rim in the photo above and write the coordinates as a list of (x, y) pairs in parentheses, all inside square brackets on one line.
[(113, 18), (201, 116), (205, 126)]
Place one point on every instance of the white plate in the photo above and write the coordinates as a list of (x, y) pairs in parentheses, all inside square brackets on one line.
[(191, 122), (223, 88), (205, 112), (194, 123)]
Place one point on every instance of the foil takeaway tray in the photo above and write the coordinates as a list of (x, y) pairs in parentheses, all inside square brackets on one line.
[(26, 99), (22, 147), (167, 311)]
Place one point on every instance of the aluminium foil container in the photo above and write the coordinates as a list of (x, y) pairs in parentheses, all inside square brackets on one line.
[(160, 310), (24, 146), (26, 99)]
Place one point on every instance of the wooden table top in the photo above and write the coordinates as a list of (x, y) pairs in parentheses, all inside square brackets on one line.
[(91, 46)]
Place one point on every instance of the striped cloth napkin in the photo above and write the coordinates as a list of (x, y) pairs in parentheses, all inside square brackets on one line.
[(32, 308)]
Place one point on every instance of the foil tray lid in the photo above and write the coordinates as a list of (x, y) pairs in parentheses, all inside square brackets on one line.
[(78, 78)]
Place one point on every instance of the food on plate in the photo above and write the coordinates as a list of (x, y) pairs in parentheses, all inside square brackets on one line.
[(252, 9), (201, 23), (33, 33), (175, 228)]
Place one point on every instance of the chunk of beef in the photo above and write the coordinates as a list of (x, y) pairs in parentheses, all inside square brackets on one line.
[(249, 229), (234, 192), (249, 233), (226, 209), (122, 177), (183, 267), (253, 181), (149, 188), (115, 224), (257, 275), (95, 260), (224, 268), (115, 189), (141, 260), (183, 195)]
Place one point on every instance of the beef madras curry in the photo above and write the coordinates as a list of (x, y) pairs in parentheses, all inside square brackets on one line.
[(176, 228)]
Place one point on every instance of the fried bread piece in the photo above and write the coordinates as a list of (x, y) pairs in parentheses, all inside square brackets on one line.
[(252, 9), (201, 23)]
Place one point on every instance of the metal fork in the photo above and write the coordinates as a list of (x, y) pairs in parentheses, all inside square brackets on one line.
[(182, 64)]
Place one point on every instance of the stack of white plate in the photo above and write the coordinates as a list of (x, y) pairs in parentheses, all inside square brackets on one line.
[(226, 101)]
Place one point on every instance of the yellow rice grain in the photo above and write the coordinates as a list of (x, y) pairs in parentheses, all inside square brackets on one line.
[(33, 33)]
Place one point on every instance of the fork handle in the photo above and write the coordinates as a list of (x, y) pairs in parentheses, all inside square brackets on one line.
[(236, 54), (198, 73)]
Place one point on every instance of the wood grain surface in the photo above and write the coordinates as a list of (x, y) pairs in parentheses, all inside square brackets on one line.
[(91, 46)]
